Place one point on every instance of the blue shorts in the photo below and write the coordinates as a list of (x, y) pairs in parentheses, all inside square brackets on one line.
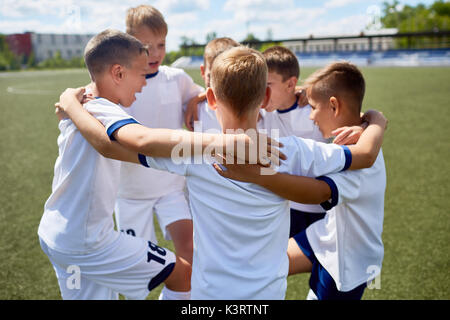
[(321, 281), (301, 220)]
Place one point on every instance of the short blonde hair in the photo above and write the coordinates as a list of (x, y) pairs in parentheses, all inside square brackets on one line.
[(342, 80), (146, 16), (111, 47), (216, 47), (239, 79)]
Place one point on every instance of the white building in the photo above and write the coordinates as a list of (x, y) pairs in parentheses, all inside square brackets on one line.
[(45, 45), (379, 41)]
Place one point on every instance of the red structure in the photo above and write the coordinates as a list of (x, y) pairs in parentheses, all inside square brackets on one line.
[(20, 43)]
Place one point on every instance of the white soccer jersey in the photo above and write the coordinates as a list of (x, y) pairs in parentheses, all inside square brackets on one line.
[(347, 242), (293, 122), (77, 216), (158, 105), (241, 230), (207, 119)]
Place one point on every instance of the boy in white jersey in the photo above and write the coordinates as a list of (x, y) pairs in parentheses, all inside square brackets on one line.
[(343, 251), (77, 230), (237, 226), (284, 114), (158, 105)]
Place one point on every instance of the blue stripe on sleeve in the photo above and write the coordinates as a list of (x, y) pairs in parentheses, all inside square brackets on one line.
[(327, 205), (348, 157), (117, 125), (143, 160)]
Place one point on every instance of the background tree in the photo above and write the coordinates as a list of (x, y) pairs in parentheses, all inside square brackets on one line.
[(406, 18)]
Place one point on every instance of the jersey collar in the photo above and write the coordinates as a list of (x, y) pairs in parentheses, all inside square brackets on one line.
[(293, 107), (151, 75)]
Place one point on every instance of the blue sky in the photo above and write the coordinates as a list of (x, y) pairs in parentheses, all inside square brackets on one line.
[(195, 18)]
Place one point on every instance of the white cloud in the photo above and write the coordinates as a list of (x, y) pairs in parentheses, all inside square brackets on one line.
[(260, 5), (181, 6), (339, 3), (191, 18)]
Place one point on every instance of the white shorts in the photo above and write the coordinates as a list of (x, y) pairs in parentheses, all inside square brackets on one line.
[(130, 266), (135, 217)]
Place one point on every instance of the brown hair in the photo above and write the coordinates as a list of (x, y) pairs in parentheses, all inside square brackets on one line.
[(111, 47), (342, 80), (283, 61), (216, 47), (148, 16), (239, 78)]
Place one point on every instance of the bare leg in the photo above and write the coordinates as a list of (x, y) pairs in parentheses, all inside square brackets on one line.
[(180, 278), (298, 262), (181, 232)]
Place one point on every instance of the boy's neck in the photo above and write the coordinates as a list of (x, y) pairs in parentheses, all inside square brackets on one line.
[(235, 124), (349, 120), (232, 122), (288, 102), (106, 93)]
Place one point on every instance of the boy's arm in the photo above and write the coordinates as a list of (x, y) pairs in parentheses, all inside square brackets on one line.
[(191, 114), (365, 151), (163, 142), (295, 188), (93, 131), (304, 189)]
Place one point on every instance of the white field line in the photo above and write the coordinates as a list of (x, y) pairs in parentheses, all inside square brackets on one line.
[(13, 90)]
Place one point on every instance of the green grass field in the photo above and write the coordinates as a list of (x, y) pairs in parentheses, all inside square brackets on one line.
[(416, 150)]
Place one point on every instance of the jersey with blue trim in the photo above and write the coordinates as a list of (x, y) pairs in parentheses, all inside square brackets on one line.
[(160, 104), (241, 230), (347, 242), (293, 121), (78, 214)]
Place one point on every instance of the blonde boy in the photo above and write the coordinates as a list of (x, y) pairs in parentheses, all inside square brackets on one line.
[(158, 105)]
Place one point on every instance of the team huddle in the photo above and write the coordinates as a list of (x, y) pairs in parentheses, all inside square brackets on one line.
[(309, 200)]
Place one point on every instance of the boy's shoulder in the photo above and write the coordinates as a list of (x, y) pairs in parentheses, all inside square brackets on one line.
[(171, 73), (101, 103)]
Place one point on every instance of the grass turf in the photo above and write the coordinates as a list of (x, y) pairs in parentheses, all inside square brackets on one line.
[(416, 150)]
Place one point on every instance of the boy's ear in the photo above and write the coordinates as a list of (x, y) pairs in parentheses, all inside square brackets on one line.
[(211, 97), (116, 73), (335, 105), (292, 82), (266, 97)]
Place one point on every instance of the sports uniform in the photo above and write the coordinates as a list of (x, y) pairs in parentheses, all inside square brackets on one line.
[(241, 229), (77, 227), (345, 247)]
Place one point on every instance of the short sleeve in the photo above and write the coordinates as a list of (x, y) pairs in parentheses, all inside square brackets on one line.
[(344, 186), (109, 114), (164, 164), (310, 158)]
